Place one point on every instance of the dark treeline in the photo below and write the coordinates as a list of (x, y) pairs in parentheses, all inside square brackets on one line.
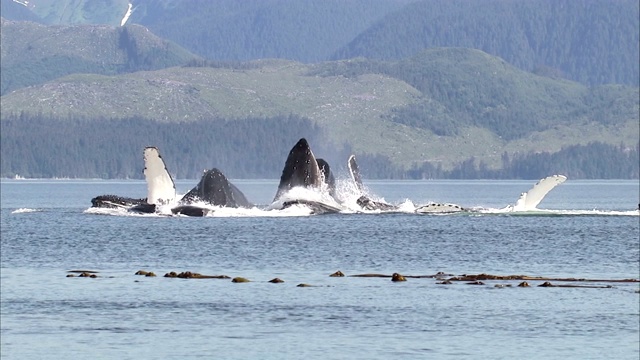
[(595, 160), (39, 147)]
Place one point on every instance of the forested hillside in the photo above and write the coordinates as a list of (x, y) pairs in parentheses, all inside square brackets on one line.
[(33, 53), (440, 107), (589, 41), (468, 88), (41, 147), (416, 89)]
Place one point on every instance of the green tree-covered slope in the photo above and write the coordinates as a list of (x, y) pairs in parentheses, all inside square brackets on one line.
[(442, 106), (589, 41), (33, 53)]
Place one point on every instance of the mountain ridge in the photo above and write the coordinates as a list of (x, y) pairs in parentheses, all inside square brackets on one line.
[(589, 41), (33, 53), (361, 109)]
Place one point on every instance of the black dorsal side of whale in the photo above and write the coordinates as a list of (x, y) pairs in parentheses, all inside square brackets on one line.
[(302, 169), (213, 189), (115, 201)]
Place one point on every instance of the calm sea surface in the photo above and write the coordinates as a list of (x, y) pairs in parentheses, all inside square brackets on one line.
[(589, 229)]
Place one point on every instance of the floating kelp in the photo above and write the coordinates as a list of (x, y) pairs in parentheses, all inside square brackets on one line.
[(441, 277), (84, 274), (434, 276), (192, 275), (371, 275), (483, 276), (548, 284)]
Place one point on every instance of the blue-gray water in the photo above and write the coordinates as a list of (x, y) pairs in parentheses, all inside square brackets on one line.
[(591, 232)]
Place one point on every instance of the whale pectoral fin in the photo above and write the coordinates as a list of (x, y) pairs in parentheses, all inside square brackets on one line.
[(533, 197), (160, 186), (355, 173)]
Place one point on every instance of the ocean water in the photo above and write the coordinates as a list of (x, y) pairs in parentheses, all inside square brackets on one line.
[(586, 230)]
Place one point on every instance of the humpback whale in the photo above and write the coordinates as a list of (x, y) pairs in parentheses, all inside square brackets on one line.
[(160, 187), (302, 169), (440, 208), (115, 201), (364, 201), (528, 200), (213, 189)]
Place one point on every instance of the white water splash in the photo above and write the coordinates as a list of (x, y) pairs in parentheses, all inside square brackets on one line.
[(25, 210)]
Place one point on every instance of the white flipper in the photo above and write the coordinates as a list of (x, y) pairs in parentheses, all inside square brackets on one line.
[(160, 186), (531, 199)]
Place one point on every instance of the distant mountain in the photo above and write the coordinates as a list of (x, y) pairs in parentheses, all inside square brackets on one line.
[(301, 30), (69, 12), (589, 41), (442, 106), (34, 53)]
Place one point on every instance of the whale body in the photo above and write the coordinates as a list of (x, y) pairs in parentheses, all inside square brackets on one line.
[(302, 169), (212, 189), (528, 201), (160, 187)]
